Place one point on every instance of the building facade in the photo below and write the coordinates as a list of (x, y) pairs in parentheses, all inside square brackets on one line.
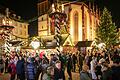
[(20, 30), (82, 21)]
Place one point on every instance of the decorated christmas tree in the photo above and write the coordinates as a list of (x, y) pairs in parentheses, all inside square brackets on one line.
[(107, 31)]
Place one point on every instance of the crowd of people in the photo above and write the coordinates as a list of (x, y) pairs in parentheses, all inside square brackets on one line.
[(91, 67)]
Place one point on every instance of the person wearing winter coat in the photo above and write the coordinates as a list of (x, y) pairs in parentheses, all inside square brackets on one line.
[(84, 74), (58, 74), (93, 67), (12, 69), (74, 59), (6, 64), (69, 67), (31, 70), (116, 66), (20, 69)]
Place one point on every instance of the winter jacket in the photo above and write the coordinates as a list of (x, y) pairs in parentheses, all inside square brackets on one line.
[(58, 74), (20, 67), (115, 72), (13, 69), (106, 75), (85, 76), (31, 71)]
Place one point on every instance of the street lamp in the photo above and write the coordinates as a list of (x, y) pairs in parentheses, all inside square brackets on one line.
[(35, 44)]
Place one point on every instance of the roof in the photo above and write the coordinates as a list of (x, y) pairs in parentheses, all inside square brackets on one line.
[(49, 41), (6, 26), (83, 44), (15, 43)]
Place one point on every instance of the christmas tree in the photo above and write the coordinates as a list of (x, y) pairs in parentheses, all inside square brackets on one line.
[(107, 31)]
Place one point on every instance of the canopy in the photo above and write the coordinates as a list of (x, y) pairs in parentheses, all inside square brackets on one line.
[(83, 44)]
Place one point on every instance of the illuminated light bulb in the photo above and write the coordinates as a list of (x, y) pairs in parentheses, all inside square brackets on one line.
[(53, 8), (3, 21)]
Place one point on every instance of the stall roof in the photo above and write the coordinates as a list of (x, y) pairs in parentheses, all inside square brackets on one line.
[(14, 43), (49, 42), (83, 44)]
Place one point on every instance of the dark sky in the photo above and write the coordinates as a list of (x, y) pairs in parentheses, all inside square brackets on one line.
[(27, 9)]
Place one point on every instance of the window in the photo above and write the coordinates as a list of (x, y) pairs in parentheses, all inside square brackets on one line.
[(20, 32), (21, 25), (42, 18), (42, 27), (76, 26), (25, 26), (25, 33)]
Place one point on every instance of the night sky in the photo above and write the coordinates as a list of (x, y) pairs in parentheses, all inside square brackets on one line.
[(27, 9)]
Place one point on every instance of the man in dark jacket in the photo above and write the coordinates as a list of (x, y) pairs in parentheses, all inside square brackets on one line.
[(20, 69), (69, 67), (116, 67), (74, 59)]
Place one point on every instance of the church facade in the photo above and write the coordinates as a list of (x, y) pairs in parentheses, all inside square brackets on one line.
[(81, 21)]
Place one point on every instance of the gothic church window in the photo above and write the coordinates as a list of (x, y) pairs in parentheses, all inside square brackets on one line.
[(76, 26)]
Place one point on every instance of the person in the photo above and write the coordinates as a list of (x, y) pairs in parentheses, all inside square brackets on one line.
[(69, 67), (58, 71), (20, 70), (1, 65), (84, 74), (30, 69), (62, 58), (98, 71), (12, 69), (6, 64), (80, 62), (116, 66), (106, 71), (49, 74), (5, 76), (44, 65), (38, 67), (92, 68), (74, 58)]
